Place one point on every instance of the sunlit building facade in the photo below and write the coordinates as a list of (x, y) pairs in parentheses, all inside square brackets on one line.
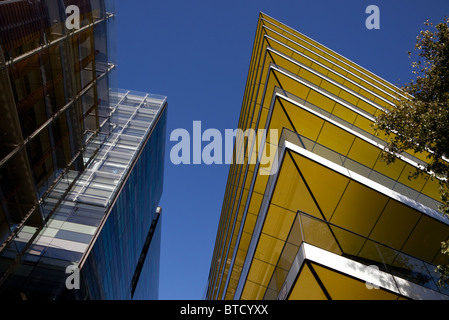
[(81, 163), (325, 218)]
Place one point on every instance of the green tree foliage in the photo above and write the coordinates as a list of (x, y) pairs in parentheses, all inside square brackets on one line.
[(419, 122)]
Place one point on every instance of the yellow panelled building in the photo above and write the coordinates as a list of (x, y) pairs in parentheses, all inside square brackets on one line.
[(312, 211)]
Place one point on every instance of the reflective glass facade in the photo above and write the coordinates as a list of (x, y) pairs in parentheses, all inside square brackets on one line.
[(113, 261), (81, 163), (325, 218)]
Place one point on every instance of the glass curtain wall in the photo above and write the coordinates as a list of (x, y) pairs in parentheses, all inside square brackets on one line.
[(54, 101)]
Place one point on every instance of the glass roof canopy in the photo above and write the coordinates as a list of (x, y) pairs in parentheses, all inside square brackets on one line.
[(82, 200), (131, 118)]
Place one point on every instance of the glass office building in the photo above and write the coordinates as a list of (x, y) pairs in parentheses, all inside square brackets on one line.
[(81, 163), (322, 217)]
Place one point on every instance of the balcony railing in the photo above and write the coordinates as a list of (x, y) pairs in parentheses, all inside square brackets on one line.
[(360, 169), (340, 241), (345, 243)]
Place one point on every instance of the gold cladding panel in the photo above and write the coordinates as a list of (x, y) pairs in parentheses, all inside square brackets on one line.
[(291, 193), (326, 194), (278, 222), (306, 287), (359, 208), (252, 291), (395, 224), (260, 272), (268, 249), (424, 242)]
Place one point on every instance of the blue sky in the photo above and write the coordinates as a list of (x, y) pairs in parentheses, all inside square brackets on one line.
[(197, 53)]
